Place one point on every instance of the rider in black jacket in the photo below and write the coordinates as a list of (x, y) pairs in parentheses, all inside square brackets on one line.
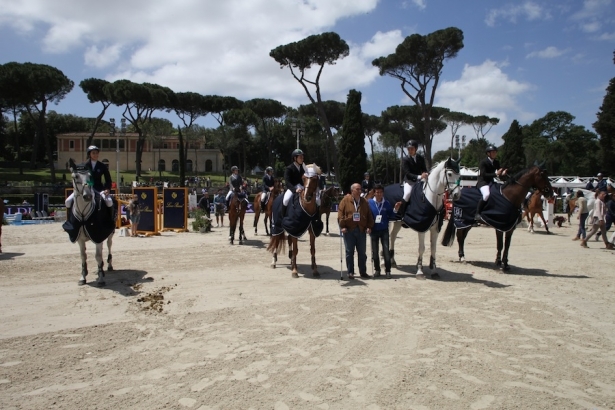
[(293, 177), (489, 168), (268, 183), (415, 170)]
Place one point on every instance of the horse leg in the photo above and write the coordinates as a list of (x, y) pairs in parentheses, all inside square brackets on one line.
[(505, 266), (109, 256), (84, 262), (419, 262), (266, 222), (500, 244), (530, 223), (315, 272), (256, 217), (544, 222), (242, 233), (290, 248), (231, 236), (393, 235), (461, 238), (293, 260), (99, 260), (327, 223), (432, 259)]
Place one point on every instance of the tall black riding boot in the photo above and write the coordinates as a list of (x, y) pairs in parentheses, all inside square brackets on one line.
[(263, 206), (479, 209), (284, 210)]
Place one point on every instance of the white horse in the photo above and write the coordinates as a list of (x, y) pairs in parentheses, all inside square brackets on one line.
[(444, 177), (86, 203)]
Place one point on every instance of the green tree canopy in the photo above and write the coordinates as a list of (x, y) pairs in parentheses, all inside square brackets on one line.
[(605, 127), (418, 63), (353, 160), (512, 154)]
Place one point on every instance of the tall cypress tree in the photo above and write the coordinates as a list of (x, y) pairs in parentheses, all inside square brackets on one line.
[(512, 155), (605, 127), (352, 156)]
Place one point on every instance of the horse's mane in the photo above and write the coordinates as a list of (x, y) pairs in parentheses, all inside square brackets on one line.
[(513, 179), (315, 168)]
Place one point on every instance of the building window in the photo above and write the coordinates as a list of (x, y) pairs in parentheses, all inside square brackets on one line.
[(71, 145), (162, 165), (189, 165), (105, 144), (96, 142), (175, 165), (209, 166), (165, 146), (122, 144)]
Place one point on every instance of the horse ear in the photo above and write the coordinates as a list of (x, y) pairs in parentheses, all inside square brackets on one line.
[(71, 164), (542, 165)]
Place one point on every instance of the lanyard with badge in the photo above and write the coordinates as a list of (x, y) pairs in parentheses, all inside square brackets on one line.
[(356, 216), (379, 208)]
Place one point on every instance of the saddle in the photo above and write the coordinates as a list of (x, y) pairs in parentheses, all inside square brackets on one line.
[(499, 212), (420, 214), (98, 226), (297, 221)]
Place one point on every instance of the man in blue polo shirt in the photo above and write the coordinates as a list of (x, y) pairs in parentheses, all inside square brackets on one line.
[(382, 210)]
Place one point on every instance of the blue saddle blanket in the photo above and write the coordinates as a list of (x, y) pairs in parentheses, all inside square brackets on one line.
[(420, 214), (498, 212), (98, 226), (296, 222)]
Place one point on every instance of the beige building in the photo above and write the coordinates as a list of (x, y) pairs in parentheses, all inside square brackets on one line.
[(163, 153)]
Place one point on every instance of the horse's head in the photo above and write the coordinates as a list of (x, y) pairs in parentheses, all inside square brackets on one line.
[(540, 179), (452, 178), (310, 181), (82, 181)]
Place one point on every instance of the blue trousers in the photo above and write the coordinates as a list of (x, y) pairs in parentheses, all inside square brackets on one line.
[(582, 233), (355, 239), (382, 236)]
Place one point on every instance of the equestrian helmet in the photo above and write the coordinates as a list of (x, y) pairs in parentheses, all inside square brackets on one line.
[(92, 148), (296, 153), (412, 143), (234, 168), (491, 148), (268, 169), (366, 174)]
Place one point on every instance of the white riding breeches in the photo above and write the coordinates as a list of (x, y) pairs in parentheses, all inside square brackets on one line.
[(228, 196), (408, 190), (485, 191), (106, 199)]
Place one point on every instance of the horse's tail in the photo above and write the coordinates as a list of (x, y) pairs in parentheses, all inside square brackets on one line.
[(277, 243), (449, 233)]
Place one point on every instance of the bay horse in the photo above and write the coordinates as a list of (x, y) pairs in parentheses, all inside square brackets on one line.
[(514, 191), (278, 188), (443, 178), (236, 212), (89, 222), (326, 201), (307, 201), (534, 207)]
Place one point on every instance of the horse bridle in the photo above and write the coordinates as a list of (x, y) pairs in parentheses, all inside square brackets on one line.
[(83, 185), (547, 190), (448, 183)]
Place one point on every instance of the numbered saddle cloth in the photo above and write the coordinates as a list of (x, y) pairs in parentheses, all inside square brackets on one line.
[(98, 225), (498, 213), (297, 220), (420, 214)]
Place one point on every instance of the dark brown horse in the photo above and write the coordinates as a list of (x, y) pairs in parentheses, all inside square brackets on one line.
[(534, 207), (308, 203), (278, 188), (514, 191), (236, 212), (326, 201)]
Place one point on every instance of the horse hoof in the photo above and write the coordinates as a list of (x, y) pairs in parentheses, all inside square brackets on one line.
[(109, 268), (295, 275), (435, 276), (316, 275), (505, 268), (101, 284), (81, 282), (420, 276)]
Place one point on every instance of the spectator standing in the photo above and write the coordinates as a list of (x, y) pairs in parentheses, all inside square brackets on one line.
[(355, 219), (601, 184), (382, 211), (598, 222), (219, 207), (583, 212), (135, 215), (204, 204)]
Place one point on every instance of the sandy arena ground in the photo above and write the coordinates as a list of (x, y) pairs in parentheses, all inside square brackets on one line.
[(188, 321)]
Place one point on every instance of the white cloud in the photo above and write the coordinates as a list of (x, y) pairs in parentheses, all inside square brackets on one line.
[(105, 57), (591, 27), (592, 8), (607, 36), (511, 12), (382, 44), (485, 90), (549, 52)]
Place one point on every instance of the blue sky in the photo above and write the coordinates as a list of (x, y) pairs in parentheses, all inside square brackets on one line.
[(521, 59)]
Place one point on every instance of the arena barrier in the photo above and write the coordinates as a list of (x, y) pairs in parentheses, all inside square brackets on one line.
[(175, 209)]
